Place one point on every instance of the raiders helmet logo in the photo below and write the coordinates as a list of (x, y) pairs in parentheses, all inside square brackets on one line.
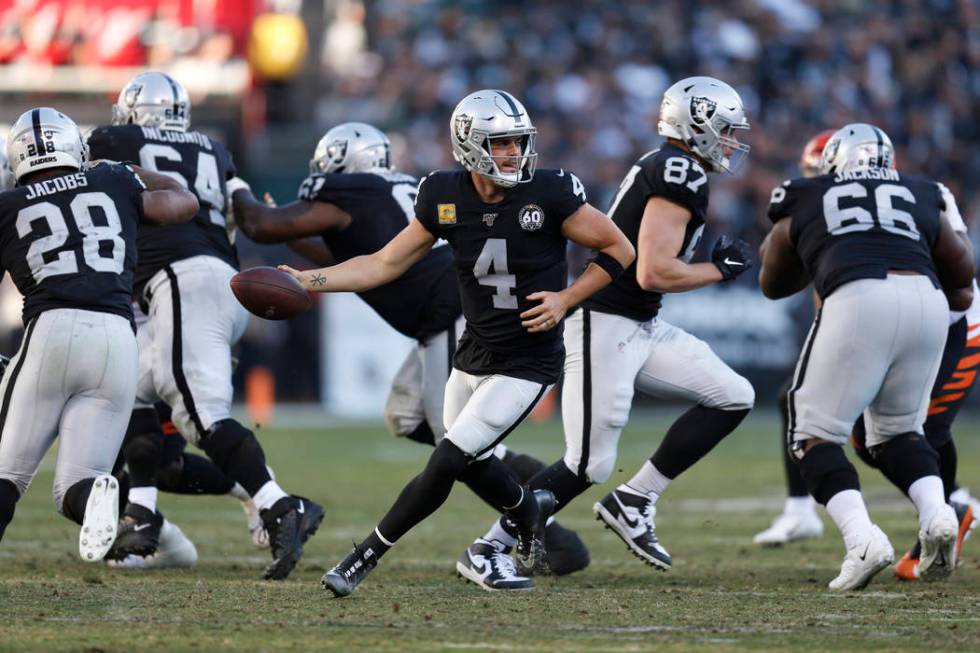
[(830, 150), (337, 150), (461, 128), (702, 109), (531, 217), (132, 94)]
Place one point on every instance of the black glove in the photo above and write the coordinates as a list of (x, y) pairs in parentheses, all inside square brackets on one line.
[(731, 257)]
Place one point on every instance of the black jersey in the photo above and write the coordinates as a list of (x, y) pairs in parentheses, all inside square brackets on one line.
[(70, 241), (423, 301), (860, 225), (675, 175), (504, 252), (200, 165)]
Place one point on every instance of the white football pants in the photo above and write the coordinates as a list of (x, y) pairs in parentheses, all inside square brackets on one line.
[(875, 346), (74, 376), (607, 356), (185, 346)]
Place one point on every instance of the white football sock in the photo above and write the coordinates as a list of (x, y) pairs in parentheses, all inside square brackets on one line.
[(648, 481), (267, 495), (144, 496), (498, 533), (927, 495), (848, 511), (797, 505)]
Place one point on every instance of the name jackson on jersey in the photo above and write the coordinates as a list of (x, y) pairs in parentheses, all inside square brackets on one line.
[(201, 165), (504, 252)]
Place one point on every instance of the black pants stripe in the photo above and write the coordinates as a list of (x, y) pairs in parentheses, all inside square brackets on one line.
[(800, 377), (583, 464), (5, 407), (527, 411), (177, 354)]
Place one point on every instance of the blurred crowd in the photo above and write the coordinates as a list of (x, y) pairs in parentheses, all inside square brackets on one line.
[(592, 73)]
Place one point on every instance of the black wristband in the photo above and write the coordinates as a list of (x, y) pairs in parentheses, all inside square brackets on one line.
[(609, 264)]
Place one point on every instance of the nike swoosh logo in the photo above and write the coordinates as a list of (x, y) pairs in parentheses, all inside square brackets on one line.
[(482, 570), (141, 527), (632, 523), (729, 261), (301, 509), (865, 554)]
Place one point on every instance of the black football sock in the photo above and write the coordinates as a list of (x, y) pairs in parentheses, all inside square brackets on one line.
[(523, 465), (237, 453), (859, 437), (494, 482), (123, 478), (194, 474), (561, 481), (692, 436), (142, 447), (424, 493), (906, 458), (827, 471), (947, 467), (423, 434), (75, 499), (795, 486), (8, 503)]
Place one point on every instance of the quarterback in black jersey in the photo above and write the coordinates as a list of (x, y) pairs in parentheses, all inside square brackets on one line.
[(354, 203), (68, 239), (881, 255), (507, 226), (615, 342), (182, 279)]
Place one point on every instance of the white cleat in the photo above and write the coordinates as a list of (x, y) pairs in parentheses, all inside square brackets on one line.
[(101, 521), (174, 551), (791, 526), (938, 558), (864, 561)]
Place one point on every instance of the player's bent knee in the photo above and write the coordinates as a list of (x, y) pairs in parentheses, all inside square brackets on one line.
[(448, 461), (224, 440), (143, 420), (827, 471), (740, 395)]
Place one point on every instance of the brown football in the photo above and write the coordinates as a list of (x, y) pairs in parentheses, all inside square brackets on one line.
[(270, 293)]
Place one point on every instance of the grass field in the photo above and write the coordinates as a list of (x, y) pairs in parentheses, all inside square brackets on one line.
[(723, 594)]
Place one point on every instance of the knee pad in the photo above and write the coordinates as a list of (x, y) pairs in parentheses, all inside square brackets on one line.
[(224, 440), (827, 471), (906, 458), (600, 467), (447, 461), (740, 396)]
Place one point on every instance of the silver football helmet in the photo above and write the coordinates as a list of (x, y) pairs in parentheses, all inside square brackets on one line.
[(153, 100), (45, 138), (483, 116), (856, 146), (703, 113), (352, 147)]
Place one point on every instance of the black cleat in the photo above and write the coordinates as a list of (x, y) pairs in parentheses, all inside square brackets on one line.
[(630, 516), (349, 572), (565, 551), (139, 533), (290, 522), (530, 550)]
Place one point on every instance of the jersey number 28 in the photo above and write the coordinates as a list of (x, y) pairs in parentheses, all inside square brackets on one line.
[(93, 236)]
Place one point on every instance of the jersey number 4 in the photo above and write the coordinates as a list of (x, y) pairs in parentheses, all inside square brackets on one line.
[(494, 255), (93, 236), (855, 218)]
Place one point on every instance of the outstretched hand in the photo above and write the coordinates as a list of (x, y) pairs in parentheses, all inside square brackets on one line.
[(311, 280), (546, 315)]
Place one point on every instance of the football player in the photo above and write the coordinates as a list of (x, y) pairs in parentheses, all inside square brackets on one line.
[(194, 319), (507, 225), (355, 203), (68, 240), (955, 380), (616, 342), (880, 255), (799, 519)]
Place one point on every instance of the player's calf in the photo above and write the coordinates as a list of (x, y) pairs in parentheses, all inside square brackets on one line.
[(9, 495)]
